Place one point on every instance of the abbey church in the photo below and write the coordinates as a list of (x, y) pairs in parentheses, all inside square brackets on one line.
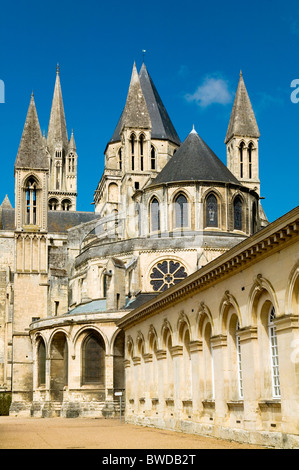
[(167, 292)]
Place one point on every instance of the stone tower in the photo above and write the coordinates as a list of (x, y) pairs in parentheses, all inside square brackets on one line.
[(242, 140), (142, 143), (31, 260), (62, 157)]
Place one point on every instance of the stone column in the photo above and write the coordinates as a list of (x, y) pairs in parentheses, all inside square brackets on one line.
[(219, 345)]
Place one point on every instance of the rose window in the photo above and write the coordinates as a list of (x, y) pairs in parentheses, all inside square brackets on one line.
[(167, 274)]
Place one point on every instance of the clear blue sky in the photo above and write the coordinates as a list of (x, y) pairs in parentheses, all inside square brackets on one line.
[(193, 48)]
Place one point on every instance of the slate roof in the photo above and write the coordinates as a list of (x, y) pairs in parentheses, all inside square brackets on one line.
[(162, 127), (58, 221), (242, 121), (195, 161)]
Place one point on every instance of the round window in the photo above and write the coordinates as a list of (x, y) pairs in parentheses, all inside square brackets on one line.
[(166, 274)]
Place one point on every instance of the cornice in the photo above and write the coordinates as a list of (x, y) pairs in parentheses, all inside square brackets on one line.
[(272, 238)]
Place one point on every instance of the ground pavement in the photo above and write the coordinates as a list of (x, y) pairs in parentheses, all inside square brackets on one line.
[(92, 433)]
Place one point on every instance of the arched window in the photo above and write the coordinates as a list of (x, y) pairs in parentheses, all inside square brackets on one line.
[(274, 354), (166, 274), (250, 151), (31, 208), (93, 360), (133, 145), (66, 205), (71, 163), (155, 215), (239, 362), (211, 211), (241, 150), (153, 158), (181, 211), (120, 159), (254, 218), (53, 203), (58, 175), (141, 143), (41, 361), (238, 223)]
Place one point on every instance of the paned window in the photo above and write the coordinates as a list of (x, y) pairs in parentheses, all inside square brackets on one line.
[(238, 213), (155, 215), (181, 211), (274, 355), (211, 211), (239, 362), (166, 274)]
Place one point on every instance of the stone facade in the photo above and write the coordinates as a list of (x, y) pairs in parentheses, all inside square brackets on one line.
[(162, 210), (218, 353)]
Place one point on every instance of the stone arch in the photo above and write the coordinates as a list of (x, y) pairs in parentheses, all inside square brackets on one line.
[(59, 355), (292, 291), (260, 288), (228, 307)]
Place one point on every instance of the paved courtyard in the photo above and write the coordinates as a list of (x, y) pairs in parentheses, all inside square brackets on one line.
[(91, 433)]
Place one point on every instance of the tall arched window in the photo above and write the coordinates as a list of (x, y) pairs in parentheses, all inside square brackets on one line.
[(141, 144), (254, 218), (250, 151), (93, 360), (241, 150), (238, 223), (274, 354), (239, 362), (133, 148), (211, 211), (31, 198), (153, 158), (120, 159), (181, 211), (155, 215)]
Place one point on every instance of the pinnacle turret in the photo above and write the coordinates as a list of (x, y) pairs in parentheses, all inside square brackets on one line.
[(135, 114), (32, 151), (242, 121)]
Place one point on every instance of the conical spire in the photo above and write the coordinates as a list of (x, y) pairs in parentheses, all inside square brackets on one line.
[(6, 203), (242, 121), (32, 152), (57, 132), (72, 145), (135, 113)]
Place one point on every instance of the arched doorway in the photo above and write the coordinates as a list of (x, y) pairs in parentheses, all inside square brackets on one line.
[(58, 366)]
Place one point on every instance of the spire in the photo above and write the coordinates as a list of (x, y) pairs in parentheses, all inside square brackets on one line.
[(6, 203), (72, 145), (32, 152), (57, 132), (135, 113), (242, 121)]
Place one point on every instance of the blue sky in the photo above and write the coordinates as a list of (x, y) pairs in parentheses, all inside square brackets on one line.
[(194, 53)]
